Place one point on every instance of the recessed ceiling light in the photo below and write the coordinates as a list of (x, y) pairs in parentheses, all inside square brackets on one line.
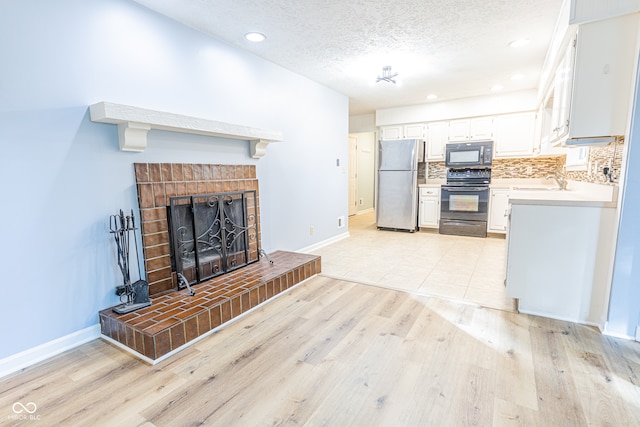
[(497, 87), (255, 37), (519, 43), (432, 96), (517, 77)]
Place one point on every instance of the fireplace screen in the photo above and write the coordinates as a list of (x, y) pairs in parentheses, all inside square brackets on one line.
[(212, 234)]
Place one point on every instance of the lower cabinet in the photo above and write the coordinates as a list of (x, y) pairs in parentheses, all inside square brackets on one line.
[(498, 210), (429, 211)]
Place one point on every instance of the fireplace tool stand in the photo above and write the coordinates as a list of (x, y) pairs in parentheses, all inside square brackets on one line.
[(132, 295)]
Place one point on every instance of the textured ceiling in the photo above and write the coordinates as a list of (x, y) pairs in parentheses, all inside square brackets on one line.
[(455, 48)]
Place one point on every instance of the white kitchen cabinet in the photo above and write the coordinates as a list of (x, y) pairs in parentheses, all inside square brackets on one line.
[(475, 129), (605, 57), (515, 134), (392, 132), (413, 131), (498, 210), (437, 138), (429, 210), (562, 93), (459, 130), (481, 128)]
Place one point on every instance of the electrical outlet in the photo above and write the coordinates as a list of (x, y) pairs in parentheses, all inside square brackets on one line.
[(311, 230), (361, 201), (340, 222), (529, 170)]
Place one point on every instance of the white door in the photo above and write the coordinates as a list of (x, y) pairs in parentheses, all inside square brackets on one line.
[(353, 175)]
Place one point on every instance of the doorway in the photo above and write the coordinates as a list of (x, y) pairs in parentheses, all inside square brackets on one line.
[(361, 172)]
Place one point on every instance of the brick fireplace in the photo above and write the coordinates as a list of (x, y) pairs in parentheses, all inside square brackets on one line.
[(156, 184), (176, 318)]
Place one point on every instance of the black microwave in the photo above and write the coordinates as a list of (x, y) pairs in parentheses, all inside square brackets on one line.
[(477, 154)]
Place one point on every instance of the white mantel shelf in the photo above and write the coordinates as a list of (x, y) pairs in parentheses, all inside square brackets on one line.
[(134, 123)]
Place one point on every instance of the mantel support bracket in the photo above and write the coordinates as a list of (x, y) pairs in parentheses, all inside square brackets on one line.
[(259, 147), (133, 136)]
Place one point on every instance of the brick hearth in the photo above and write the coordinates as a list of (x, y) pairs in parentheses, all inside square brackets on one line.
[(175, 318)]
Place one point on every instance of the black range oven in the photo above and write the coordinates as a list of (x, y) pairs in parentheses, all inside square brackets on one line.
[(464, 202)]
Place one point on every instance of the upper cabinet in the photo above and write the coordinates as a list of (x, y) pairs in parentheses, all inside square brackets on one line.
[(459, 130), (515, 134), (391, 132), (481, 128), (437, 137), (593, 80), (413, 131), (561, 105), (475, 129), (603, 77)]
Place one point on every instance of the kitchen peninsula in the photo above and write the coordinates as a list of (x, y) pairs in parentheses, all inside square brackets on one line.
[(559, 251), (559, 243)]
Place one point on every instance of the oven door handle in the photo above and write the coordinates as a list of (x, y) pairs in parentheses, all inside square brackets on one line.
[(457, 189)]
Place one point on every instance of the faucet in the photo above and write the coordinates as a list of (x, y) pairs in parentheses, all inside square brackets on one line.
[(562, 182), (186, 282)]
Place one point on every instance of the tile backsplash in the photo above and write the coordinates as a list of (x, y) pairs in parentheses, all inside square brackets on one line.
[(598, 158), (541, 167)]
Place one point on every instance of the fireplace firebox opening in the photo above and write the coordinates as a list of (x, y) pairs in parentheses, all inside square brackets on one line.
[(212, 234)]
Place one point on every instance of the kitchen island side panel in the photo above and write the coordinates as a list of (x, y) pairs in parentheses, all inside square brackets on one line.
[(559, 260)]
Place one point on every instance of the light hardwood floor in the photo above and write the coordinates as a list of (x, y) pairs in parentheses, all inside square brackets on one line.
[(338, 353)]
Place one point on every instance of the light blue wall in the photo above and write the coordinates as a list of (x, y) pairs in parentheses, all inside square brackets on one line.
[(63, 175), (624, 303)]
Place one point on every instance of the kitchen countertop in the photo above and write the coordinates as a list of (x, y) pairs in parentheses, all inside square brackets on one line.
[(536, 191), (430, 183), (577, 194)]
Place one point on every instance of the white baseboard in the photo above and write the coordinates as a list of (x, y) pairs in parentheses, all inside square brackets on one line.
[(562, 318), (324, 243), (366, 211), (24, 359), (609, 333)]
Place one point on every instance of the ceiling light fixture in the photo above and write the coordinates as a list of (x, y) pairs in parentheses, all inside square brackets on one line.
[(497, 87), (255, 37), (432, 96), (517, 77), (519, 43), (386, 75)]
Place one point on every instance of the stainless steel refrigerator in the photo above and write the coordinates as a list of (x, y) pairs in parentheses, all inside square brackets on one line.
[(397, 198)]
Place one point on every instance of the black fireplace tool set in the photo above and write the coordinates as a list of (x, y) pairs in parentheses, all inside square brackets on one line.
[(132, 295)]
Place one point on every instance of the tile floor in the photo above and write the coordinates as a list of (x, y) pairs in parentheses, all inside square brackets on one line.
[(460, 268)]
